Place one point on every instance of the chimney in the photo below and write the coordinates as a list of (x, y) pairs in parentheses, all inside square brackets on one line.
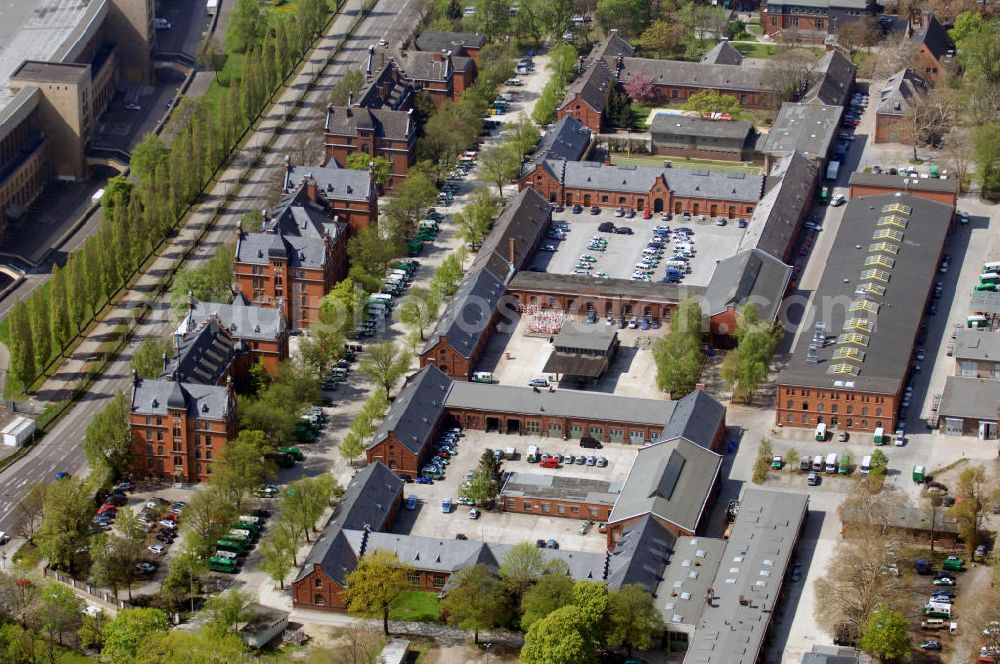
[(438, 56), (135, 377), (288, 171), (579, 65), (510, 251), (619, 66), (326, 122), (312, 190), (164, 359), (190, 299), (368, 63)]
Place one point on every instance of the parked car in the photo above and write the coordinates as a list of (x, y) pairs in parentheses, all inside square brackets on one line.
[(146, 568), (551, 544), (623, 230), (158, 549), (591, 442)]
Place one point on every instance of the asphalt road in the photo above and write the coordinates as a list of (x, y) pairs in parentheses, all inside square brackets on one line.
[(62, 449)]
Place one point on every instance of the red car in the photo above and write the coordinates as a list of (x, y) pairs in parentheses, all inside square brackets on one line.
[(444, 455), (551, 462), (647, 214)]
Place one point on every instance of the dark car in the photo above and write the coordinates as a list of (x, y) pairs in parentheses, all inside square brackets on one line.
[(577, 209), (606, 227), (593, 443), (540, 543), (461, 536), (406, 478), (623, 230), (595, 210), (551, 544)]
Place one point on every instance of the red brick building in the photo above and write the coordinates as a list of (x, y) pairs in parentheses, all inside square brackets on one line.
[(801, 21), (896, 99), (929, 52), (381, 132), (463, 44), (932, 189), (351, 196), (296, 259), (559, 495), (259, 331)]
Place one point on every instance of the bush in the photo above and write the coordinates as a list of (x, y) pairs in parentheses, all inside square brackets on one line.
[(763, 462)]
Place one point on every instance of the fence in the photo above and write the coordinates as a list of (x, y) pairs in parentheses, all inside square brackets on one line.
[(93, 591)]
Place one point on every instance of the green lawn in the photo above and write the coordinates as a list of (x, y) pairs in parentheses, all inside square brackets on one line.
[(416, 606), (767, 50), (690, 164)]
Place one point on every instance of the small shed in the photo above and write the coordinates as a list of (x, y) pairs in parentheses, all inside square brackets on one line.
[(265, 626), (394, 652), (18, 431)]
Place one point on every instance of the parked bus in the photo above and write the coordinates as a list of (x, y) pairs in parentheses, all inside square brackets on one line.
[(217, 564)]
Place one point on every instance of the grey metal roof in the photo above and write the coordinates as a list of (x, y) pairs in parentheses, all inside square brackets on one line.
[(625, 289), (685, 125), (722, 53), (241, 320), (577, 335), (367, 503), (899, 310), (748, 583), (895, 96), (467, 317), (807, 128), (696, 417), (591, 86), (671, 480), (735, 78), (335, 183), (641, 179), (295, 233), (206, 402), (973, 398), (430, 40), (537, 485), (833, 78), (901, 182), (977, 345), (641, 554), (680, 596), (567, 139), (831, 655), (416, 410), (202, 355), (559, 403), (515, 231), (786, 201), (749, 277)]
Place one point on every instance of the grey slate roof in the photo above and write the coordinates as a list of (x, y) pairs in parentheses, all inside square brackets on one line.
[(685, 125), (366, 503), (384, 122), (641, 555), (388, 89), (900, 309), (823, 4), (696, 417), (641, 179), (591, 86), (973, 398), (722, 53), (416, 410), (467, 317), (429, 66), (521, 222), (456, 42), (833, 76), (807, 128), (202, 355), (697, 75), (577, 335), (786, 202), (749, 277), (680, 596), (671, 480), (343, 184), (537, 485), (625, 288), (932, 35), (899, 90), (567, 139), (977, 345), (241, 320), (754, 564), (206, 402), (295, 232), (902, 182), (610, 47)]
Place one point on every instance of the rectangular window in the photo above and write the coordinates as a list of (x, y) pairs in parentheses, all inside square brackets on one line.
[(546, 507), (575, 509), (413, 579), (526, 506), (593, 512), (439, 580)]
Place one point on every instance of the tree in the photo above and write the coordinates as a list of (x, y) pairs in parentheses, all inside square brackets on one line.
[(548, 101), (986, 139), (762, 463), (375, 584), (562, 637), (408, 202), (201, 646), (593, 601), (184, 576), (22, 348), (351, 447), (107, 562), (384, 364), (211, 282), (108, 442), (128, 631), (886, 635), (243, 466), (247, 26), (746, 366), (563, 62), (370, 255), (970, 497), (207, 517), (474, 602), (349, 84), (91, 630), (66, 519), (448, 275), (629, 17), (523, 137), (361, 161), (252, 221), (664, 37), (712, 101), (640, 88), (679, 354), (476, 220), (498, 165), (277, 550), (552, 591), (306, 500), (929, 117), (228, 610), (492, 18), (858, 34), (211, 56), (880, 463), (789, 73), (148, 357), (59, 308), (29, 511), (486, 480), (419, 309), (57, 612), (521, 567), (635, 622)]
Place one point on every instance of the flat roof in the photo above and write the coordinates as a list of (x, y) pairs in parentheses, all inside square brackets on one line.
[(972, 398), (50, 72), (985, 302), (871, 296), (808, 128), (585, 286), (903, 183), (580, 489), (748, 582), (688, 126), (694, 562), (585, 337), (977, 345)]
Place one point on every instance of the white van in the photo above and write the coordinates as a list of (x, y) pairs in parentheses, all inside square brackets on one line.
[(385, 297), (821, 432), (680, 265), (818, 463), (482, 377), (866, 464), (932, 623), (429, 223), (831, 462), (993, 266), (532, 455)]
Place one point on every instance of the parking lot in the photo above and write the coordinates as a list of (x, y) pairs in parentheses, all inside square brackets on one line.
[(711, 243), (501, 527)]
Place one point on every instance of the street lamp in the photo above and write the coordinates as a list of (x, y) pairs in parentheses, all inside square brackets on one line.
[(486, 647)]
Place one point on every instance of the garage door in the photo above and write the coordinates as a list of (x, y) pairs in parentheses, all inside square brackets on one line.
[(597, 432), (555, 431), (636, 437), (616, 435), (575, 431)]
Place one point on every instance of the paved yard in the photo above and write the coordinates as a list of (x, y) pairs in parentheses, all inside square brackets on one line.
[(712, 244), (509, 528)]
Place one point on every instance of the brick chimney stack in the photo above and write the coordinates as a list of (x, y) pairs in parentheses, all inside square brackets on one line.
[(312, 189)]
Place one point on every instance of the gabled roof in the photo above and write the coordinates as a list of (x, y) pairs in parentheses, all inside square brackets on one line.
[(426, 66), (591, 86), (807, 128), (520, 223), (696, 417), (786, 201), (567, 139), (899, 92), (973, 398), (416, 410), (824, 4), (335, 183), (456, 42), (722, 53), (385, 123), (240, 320), (295, 232), (932, 36), (202, 355), (154, 397), (641, 179), (389, 89), (748, 277), (833, 77), (697, 75), (671, 480), (610, 47), (685, 125), (467, 317), (641, 555)]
